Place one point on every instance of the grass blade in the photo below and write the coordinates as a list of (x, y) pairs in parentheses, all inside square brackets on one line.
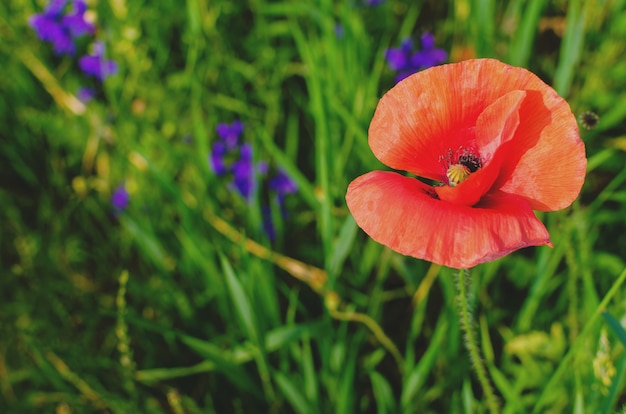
[(616, 327), (570, 48), (522, 42)]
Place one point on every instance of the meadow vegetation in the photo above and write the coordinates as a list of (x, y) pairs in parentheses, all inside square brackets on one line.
[(134, 278)]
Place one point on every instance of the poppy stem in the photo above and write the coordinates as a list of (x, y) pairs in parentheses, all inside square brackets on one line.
[(471, 342)]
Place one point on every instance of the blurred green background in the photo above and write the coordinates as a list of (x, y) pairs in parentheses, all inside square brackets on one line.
[(181, 303)]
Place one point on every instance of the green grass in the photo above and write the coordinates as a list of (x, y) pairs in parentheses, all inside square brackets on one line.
[(181, 303)]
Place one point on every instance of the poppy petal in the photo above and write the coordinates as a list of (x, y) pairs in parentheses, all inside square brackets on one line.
[(403, 214), (547, 162), (497, 124), (413, 124)]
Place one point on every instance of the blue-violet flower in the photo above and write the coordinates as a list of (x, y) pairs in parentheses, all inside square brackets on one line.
[(59, 29), (85, 94), (406, 62), (96, 65), (229, 134), (243, 172), (282, 185), (119, 199)]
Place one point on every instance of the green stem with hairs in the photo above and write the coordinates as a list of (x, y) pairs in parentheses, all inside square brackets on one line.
[(471, 342)]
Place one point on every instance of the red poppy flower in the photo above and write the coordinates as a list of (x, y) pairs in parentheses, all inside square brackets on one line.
[(493, 141)]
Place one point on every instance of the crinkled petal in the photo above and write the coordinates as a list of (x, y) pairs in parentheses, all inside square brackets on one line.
[(401, 213), (547, 162), (498, 123)]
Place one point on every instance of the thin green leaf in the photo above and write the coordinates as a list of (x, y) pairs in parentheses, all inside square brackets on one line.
[(570, 48), (383, 394), (240, 300), (292, 393), (343, 245), (616, 327), (419, 373), (522, 42)]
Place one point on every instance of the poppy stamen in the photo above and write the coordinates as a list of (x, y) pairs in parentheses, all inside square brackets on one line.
[(457, 173), (460, 164)]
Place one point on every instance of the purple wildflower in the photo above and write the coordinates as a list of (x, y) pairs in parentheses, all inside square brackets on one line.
[(75, 22), (216, 158), (59, 29), (119, 199), (225, 147), (47, 24), (279, 186), (96, 65), (268, 223), (48, 28), (234, 158), (282, 184), (374, 2), (55, 8), (243, 172), (85, 94), (262, 168), (399, 58), (429, 56), (406, 62), (230, 134)]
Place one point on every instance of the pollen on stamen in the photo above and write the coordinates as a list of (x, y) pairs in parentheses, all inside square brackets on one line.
[(457, 173)]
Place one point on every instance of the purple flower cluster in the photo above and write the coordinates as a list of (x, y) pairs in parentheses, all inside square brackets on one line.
[(406, 62), (60, 25), (56, 26), (232, 157)]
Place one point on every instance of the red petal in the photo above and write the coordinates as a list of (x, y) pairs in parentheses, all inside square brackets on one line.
[(401, 213), (498, 123), (546, 164)]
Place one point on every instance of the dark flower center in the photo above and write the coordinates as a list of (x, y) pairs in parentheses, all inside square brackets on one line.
[(471, 161), (589, 119), (460, 164)]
